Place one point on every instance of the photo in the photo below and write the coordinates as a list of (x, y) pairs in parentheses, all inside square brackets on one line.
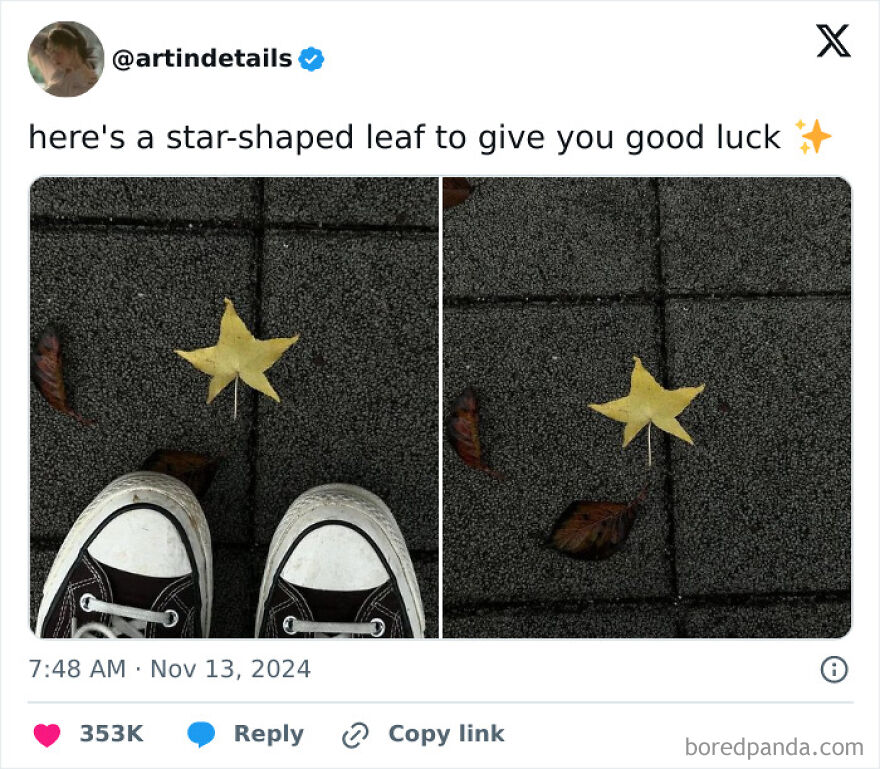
[(233, 411), (66, 59), (647, 408)]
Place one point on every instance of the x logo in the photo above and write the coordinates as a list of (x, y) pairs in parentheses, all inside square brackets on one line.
[(833, 39)]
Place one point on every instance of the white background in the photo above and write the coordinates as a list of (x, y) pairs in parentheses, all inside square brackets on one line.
[(467, 65)]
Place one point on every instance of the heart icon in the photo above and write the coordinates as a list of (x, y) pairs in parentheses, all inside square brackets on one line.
[(46, 734)]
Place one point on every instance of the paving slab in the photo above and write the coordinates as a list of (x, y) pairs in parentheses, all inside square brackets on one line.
[(122, 301), (535, 369), (762, 500), (600, 621), (793, 618), (359, 390), (363, 202), (232, 201), (549, 237), (761, 235)]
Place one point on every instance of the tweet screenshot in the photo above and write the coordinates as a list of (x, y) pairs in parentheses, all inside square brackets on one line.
[(439, 383)]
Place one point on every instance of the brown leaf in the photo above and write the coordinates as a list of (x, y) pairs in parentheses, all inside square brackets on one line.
[(195, 470), (463, 430), (47, 374), (593, 531), (456, 189)]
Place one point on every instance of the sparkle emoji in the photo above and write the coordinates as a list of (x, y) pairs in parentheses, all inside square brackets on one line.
[(817, 136)]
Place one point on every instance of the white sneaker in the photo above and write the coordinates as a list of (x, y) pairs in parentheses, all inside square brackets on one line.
[(137, 564), (338, 566)]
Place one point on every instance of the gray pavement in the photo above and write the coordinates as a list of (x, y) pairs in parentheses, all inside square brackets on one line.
[(557, 237), (129, 269), (368, 202), (782, 618), (122, 301), (758, 235), (768, 484), (532, 368), (741, 284), (606, 621), (362, 392), (231, 202)]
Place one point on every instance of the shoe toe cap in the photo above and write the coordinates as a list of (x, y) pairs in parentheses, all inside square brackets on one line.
[(142, 541), (334, 557)]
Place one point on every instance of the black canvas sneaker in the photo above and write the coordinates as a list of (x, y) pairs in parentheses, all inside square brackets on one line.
[(338, 567), (136, 564)]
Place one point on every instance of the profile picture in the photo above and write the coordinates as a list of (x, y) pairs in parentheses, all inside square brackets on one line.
[(66, 59)]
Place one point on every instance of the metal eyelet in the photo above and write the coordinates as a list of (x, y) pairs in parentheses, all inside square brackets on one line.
[(287, 625), (172, 618), (378, 627), (85, 601)]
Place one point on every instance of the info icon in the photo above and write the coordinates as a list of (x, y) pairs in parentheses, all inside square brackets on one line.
[(834, 669)]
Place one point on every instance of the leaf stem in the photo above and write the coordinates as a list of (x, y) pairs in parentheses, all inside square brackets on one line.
[(235, 403), (649, 444)]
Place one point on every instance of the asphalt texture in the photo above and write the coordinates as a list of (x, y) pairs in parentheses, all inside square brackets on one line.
[(550, 237), (127, 270), (550, 287)]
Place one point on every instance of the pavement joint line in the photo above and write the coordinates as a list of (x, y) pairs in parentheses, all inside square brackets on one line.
[(755, 295), (663, 354), (478, 302), (318, 227), (589, 300), (732, 600), (62, 224), (254, 433), (54, 224)]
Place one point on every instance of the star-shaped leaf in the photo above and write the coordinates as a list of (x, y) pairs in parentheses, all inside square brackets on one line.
[(238, 355), (649, 403)]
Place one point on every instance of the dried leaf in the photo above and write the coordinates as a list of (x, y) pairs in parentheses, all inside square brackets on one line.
[(463, 430), (195, 470), (238, 355), (593, 531), (456, 189), (47, 374)]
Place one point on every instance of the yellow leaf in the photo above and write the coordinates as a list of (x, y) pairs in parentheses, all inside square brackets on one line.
[(238, 355), (648, 402)]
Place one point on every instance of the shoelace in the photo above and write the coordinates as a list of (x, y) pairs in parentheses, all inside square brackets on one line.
[(119, 615), (375, 627)]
